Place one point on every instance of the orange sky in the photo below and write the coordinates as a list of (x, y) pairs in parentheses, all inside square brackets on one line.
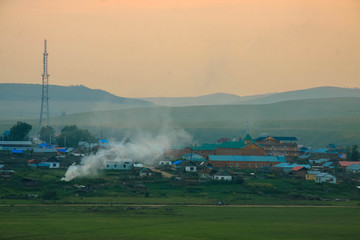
[(148, 48)]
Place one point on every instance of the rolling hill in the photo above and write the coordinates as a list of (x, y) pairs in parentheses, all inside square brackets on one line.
[(315, 122), (226, 99), (24, 100)]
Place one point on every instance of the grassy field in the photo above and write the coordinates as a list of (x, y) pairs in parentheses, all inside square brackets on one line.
[(125, 187), (218, 222)]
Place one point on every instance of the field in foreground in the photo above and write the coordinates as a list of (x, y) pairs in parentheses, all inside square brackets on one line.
[(218, 222)]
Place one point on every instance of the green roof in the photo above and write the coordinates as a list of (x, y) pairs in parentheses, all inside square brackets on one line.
[(248, 137), (206, 146), (240, 144)]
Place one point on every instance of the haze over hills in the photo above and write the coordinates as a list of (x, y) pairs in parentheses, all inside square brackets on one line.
[(225, 99), (211, 99), (24, 100), (315, 122)]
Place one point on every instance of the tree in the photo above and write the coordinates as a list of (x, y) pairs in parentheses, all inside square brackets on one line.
[(70, 136), (19, 131), (47, 134), (354, 153)]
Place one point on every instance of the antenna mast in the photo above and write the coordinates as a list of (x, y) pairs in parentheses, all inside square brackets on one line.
[(44, 113)]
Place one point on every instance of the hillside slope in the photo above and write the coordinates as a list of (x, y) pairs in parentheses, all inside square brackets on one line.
[(316, 122), (24, 100), (226, 99)]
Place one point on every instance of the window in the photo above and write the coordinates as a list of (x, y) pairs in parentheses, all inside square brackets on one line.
[(230, 164)]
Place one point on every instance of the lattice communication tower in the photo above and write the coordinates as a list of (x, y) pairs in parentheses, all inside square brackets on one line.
[(44, 113)]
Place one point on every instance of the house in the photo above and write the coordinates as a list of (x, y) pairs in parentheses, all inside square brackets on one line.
[(222, 175), (241, 148), (325, 153), (251, 162), (190, 167), (284, 146), (125, 164), (165, 163), (205, 149), (353, 168), (318, 161), (345, 164), (328, 165), (193, 157), (16, 145), (299, 171), (176, 165), (6, 172), (138, 165), (287, 167), (325, 178), (45, 151), (49, 163), (311, 175), (145, 172)]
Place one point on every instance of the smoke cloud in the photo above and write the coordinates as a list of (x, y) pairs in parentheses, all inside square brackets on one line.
[(142, 148)]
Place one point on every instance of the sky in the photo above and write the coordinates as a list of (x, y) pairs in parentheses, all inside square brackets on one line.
[(180, 48)]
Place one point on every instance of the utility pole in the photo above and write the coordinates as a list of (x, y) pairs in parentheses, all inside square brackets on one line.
[(44, 113)]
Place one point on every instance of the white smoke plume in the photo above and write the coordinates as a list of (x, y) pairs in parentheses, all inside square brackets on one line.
[(143, 148)]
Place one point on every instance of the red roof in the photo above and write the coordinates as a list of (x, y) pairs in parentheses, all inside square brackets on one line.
[(297, 168), (347, 163)]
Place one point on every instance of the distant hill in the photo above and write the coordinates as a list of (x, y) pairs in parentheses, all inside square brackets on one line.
[(312, 93), (315, 122), (24, 100), (227, 99), (211, 99)]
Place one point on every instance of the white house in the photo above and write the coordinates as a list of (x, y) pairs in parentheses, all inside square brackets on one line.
[(190, 167), (222, 175), (165, 163), (125, 164), (325, 178)]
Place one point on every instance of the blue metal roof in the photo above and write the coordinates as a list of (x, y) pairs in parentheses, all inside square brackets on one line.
[(353, 167), (177, 162), (288, 165), (327, 164), (247, 158), (17, 151)]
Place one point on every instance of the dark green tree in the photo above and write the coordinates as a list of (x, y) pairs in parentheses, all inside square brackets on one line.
[(348, 153), (47, 134), (70, 136), (19, 131), (354, 153)]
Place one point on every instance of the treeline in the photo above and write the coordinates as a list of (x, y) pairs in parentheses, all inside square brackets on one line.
[(69, 136)]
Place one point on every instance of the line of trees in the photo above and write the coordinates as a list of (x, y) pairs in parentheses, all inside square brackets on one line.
[(70, 136), (352, 153)]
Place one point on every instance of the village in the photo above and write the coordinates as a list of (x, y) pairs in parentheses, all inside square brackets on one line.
[(226, 160)]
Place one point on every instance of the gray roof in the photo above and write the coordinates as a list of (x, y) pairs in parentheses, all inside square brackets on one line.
[(325, 175), (28, 143), (314, 172), (45, 150), (353, 167)]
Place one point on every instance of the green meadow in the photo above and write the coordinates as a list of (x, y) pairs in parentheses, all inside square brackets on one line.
[(217, 222)]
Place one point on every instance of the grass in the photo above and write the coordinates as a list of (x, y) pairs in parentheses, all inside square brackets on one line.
[(122, 187), (178, 223)]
